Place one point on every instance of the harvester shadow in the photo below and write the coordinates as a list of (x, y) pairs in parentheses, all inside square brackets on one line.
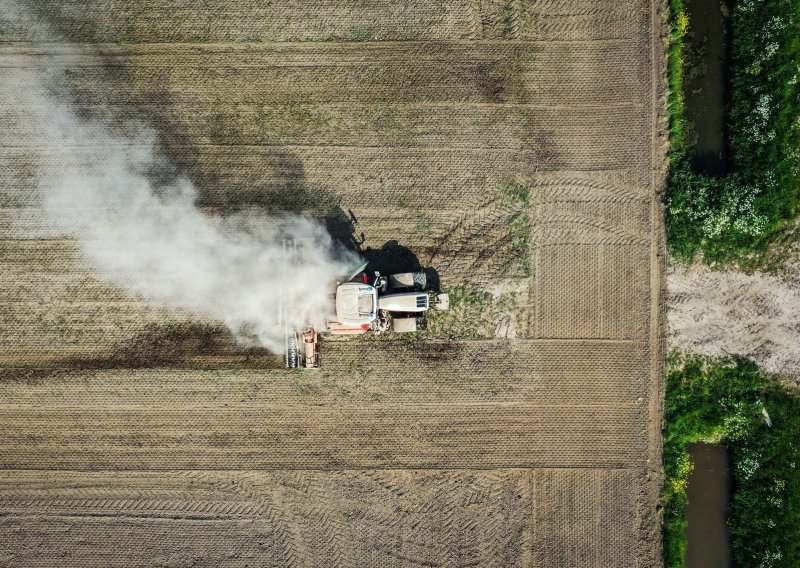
[(390, 258)]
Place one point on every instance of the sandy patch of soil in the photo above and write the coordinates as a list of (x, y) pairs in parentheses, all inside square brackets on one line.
[(721, 313)]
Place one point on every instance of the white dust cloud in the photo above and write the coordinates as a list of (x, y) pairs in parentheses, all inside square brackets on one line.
[(153, 241)]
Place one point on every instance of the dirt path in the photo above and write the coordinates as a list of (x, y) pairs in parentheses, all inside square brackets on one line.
[(720, 313)]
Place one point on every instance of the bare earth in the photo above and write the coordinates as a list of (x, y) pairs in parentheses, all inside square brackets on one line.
[(757, 319), (135, 436)]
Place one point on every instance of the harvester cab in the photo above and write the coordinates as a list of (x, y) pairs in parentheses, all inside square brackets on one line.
[(396, 301)]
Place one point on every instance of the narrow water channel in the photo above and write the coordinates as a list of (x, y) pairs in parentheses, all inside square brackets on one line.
[(708, 492), (705, 85)]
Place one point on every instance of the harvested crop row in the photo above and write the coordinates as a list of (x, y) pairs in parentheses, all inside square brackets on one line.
[(362, 20), (490, 518), (543, 372)]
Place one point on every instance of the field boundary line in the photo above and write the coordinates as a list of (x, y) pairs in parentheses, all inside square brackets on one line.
[(409, 105), (254, 47), (519, 148), (372, 406), (181, 472), (145, 517), (649, 521), (630, 468)]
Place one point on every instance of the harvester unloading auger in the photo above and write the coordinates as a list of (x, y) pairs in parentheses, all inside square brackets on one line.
[(395, 303)]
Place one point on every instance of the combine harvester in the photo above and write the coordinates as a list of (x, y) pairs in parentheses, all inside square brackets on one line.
[(395, 303)]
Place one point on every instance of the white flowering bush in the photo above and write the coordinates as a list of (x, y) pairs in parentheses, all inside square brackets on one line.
[(746, 467), (772, 557), (704, 210), (735, 213)]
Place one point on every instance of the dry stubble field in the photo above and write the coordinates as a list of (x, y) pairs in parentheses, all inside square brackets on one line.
[(132, 436)]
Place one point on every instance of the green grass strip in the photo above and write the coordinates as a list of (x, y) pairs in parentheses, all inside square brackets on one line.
[(679, 24)]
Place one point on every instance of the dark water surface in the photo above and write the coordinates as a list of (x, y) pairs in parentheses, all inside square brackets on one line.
[(707, 510), (705, 87)]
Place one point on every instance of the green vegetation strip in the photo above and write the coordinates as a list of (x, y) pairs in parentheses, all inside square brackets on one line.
[(724, 402), (677, 122), (729, 218)]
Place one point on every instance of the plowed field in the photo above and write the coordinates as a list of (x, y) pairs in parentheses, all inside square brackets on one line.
[(513, 145)]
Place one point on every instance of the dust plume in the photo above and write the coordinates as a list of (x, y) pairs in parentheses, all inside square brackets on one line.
[(721, 313), (149, 238)]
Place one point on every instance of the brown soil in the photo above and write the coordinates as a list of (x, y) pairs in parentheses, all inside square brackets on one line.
[(136, 436)]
